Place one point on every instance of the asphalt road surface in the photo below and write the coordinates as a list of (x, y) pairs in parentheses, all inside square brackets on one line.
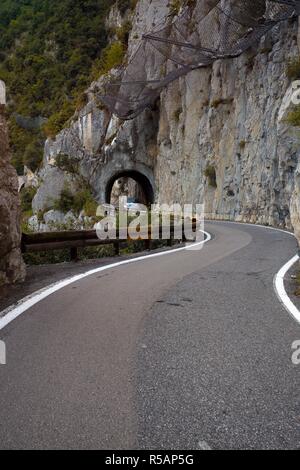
[(185, 351)]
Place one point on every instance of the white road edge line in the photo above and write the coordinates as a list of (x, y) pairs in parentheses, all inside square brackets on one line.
[(279, 277), (281, 292), (11, 313)]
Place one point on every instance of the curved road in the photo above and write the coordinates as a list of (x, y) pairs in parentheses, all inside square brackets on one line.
[(182, 351)]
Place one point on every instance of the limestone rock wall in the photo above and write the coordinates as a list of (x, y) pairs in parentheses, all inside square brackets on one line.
[(11, 264), (228, 118), (231, 118)]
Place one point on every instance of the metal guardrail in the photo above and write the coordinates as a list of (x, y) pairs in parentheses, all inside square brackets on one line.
[(47, 241), (51, 241)]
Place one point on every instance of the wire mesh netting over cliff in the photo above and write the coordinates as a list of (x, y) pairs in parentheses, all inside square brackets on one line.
[(205, 31)]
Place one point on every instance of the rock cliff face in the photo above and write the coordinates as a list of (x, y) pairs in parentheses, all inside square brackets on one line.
[(11, 264), (229, 117), (218, 135), (295, 204)]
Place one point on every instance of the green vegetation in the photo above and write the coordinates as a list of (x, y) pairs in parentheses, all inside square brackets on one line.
[(216, 103), (123, 32), (112, 56), (125, 5), (210, 174), (67, 163), (83, 199), (293, 118), (175, 6), (266, 50), (110, 139), (177, 114), (293, 73), (27, 195), (293, 68), (47, 51), (63, 256), (26, 145), (58, 120)]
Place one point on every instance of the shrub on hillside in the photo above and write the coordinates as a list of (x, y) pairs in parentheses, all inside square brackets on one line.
[(293, 118), (293, 68), (210, 174), (83, 199), (47, 53), (112, 56), (27, 195)]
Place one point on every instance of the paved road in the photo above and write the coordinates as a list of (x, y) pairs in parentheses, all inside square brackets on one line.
[(177, 352)]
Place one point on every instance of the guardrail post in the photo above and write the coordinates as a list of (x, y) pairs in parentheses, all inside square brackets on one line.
[(74, 254), (184, 240), (172, 236), (148, 244), (117, 248)]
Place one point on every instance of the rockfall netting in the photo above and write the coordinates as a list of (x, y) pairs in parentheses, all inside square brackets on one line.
[(205, 31)]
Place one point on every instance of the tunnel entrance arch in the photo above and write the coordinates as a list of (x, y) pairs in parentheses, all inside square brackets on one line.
[(145, 191)]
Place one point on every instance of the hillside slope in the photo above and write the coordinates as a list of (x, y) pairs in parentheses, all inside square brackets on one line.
[(47, 50)]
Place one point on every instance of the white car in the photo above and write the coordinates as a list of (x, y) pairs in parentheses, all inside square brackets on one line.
[(134, 207)]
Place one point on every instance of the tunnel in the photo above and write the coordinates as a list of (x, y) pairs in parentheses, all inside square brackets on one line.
[(143, 192)]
